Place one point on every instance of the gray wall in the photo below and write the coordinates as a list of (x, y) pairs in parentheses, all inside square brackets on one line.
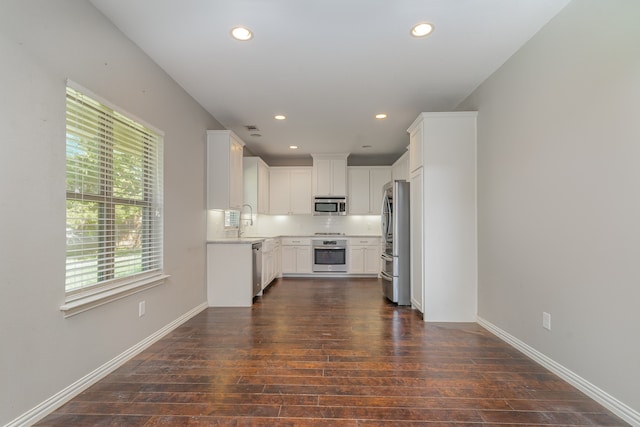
[(559, 193), (42, 43)]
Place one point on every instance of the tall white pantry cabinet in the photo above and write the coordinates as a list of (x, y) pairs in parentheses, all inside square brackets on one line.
[(444, 261)]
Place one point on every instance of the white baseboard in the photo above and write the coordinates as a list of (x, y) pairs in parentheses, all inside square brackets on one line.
[(605, 399), (57, 400)]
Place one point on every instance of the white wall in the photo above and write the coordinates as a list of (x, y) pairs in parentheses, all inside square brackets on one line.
[(559, 193), (42, 43)]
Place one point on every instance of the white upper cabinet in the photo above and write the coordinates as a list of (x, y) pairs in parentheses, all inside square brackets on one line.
[(365, 188), (415, 145), (330, 174), (378, 177), (400, 168), (289, 190), (256, 184), (224, 170)]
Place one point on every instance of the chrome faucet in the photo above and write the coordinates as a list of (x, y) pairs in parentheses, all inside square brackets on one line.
[(240, 231)]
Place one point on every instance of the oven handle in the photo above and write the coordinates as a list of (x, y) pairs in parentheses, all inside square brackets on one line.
[(384, 275), (385, 256)]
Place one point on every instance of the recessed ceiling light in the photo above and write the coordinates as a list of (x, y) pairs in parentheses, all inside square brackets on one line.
[(256, 135), (241, 33), (366, 146), (381, 116), (293, 147), (422, 29), (279, 117)]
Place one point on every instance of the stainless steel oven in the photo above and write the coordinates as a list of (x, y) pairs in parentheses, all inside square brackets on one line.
[(329, 255)]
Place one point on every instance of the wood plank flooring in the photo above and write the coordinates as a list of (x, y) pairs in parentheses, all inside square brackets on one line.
[(329, 352)]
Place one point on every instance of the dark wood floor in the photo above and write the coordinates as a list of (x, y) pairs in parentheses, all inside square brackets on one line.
[(328, 353)]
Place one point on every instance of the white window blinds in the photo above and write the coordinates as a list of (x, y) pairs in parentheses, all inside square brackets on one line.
[(114, 196)]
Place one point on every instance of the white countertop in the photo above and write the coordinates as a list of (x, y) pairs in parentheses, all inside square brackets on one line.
[(251, 240)]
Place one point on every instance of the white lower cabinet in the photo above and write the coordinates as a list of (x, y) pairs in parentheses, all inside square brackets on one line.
[(296, 256), (364, 256), (228, 278), (270, 261)]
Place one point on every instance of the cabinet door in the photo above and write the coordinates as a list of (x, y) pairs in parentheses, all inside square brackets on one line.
[(288, 259), (371, 259), (339, 177), (279, 191), (322, 168), (300, 195), (224, 170), (400, 169), (267, 268), (235, 174), (303, 259), (415, 147), (417, 240), (277, 262), (378, 178), (358, 190), (356, 259), (263, 188)]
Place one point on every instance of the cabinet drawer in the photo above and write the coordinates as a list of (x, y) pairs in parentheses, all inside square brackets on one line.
[(364, 241), (296, 241)]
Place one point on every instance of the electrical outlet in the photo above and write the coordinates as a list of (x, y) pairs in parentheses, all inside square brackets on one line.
[(141, 308), (546, 320)]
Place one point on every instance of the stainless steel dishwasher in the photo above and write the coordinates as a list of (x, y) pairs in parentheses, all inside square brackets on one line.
[(256, 251)]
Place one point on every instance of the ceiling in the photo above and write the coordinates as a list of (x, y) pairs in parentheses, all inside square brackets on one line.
[(328, 65)]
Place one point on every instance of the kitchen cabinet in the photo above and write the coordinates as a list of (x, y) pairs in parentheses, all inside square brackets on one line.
[(270, 260), (256, 184), (330, 174), (415, 145), (277, 259), (224, 170), (443, 216), (365, 188), (289, 190), (416, 243), (364, 255), (296, 255), (400, 168), (229, 275)]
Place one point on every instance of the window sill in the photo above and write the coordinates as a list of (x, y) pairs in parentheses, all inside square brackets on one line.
[(78, 303)]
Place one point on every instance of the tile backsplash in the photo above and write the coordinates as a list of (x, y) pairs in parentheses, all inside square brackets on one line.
[(282, 225)]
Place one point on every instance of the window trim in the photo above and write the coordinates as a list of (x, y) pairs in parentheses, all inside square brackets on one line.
[(81, 300)]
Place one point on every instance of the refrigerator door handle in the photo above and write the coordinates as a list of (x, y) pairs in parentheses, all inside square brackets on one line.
[(384, 275)]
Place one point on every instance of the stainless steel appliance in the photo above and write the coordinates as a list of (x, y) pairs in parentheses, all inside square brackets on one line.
[(256, 277), (330, 205), (329, 255), (396, 283)]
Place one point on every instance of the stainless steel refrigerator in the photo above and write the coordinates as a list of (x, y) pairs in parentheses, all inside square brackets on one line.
[(396, 281)]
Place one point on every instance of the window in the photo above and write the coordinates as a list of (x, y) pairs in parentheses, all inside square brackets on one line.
[(114, 201)]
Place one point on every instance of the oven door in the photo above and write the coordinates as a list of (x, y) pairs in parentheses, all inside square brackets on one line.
[(330, 258)]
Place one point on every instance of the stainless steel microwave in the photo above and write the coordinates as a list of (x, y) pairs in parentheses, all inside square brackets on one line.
[(330, 205)]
